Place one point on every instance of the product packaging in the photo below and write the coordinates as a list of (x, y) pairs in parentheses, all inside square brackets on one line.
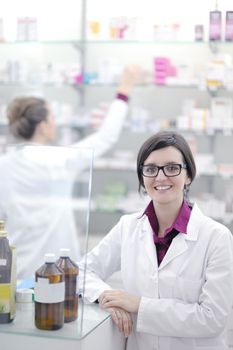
[(1, 30), (199, 32), (215, 33), (7, 277), (229, 26), (24, 299)]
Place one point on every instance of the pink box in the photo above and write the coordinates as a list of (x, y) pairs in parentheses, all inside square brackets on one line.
[(160, 81)]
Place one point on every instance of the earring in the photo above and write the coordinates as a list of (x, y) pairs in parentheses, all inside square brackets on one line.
[(186, 190)]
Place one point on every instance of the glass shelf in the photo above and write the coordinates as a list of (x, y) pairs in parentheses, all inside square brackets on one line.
[(157, 42), (227, 218), (118, 41), (147, 84), (94, 85), (132, 167), (40, 84), (114, 85), (181, 85), (43, 42)]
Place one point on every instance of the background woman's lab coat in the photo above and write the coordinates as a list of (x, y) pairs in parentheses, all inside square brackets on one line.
[(186, 301), (36, 186)]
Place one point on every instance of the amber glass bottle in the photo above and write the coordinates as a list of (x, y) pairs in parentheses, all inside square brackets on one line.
[(7, 278), (49, 295), (71, 271)]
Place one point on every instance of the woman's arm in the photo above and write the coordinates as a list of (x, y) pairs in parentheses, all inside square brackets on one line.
[(109, 132), (99, 264)]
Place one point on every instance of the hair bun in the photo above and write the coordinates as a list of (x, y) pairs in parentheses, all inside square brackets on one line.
[(24, 113)]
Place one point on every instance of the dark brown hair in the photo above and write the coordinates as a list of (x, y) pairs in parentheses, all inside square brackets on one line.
[(24, 113), (161, 140)]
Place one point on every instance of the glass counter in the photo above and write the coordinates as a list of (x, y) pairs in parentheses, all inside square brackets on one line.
[(23, 324)]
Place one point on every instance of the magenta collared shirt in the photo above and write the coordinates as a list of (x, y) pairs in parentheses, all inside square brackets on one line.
[(179, 226)]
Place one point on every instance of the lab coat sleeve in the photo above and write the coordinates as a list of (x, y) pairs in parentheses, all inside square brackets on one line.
[(99, 264), (102, 140), (207, 317)]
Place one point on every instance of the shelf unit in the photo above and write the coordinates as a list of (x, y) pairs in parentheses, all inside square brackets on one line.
[(155, 99)]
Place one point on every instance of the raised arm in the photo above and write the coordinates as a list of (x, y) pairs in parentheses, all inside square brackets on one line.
[(109, 132)]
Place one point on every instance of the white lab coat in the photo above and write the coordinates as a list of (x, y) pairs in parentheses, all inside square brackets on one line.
[(186, 301), (35, 189)]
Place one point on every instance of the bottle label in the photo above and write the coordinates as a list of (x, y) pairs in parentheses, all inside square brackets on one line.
[(3, 262), (5, 296), (46, 292), (13, 283), (7, 289)]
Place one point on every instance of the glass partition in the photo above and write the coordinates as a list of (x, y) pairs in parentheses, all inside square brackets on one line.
[(45, 202)]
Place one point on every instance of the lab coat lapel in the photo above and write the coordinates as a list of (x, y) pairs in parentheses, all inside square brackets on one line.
[(177, 247), (180, 243), (146, 237)]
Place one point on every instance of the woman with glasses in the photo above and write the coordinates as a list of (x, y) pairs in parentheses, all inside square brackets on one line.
[(176, 263)]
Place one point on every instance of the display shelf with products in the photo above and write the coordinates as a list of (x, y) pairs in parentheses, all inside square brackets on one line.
[(48, 66), (195, 69)]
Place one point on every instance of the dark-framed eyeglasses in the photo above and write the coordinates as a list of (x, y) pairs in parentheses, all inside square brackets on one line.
[(169, 170)]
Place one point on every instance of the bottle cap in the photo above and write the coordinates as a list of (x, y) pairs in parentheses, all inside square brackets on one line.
[(65, 252), (24, 295), (50, 258)]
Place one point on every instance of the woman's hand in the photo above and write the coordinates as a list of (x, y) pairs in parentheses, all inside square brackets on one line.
[(130, 76), (120, 299), (122, 320)]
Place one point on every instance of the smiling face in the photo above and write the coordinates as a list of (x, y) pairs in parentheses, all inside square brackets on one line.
[(165, 190)]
